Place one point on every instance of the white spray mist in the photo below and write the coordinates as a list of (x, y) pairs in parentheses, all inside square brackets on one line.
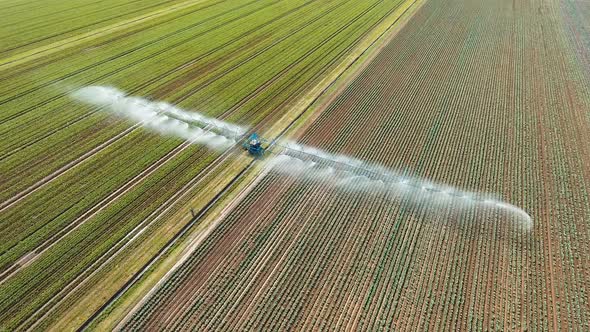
[(355, 175), (162, 117)]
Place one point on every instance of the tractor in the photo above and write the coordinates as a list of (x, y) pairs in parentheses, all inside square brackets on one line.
[(254, 146)]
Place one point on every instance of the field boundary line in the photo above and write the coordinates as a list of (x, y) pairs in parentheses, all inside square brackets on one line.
[(302, 112), (63, 44)]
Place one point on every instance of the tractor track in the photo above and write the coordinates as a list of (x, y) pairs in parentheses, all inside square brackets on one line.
[(70, 8), (49, 24), (211, 267), (176, 307), (205, 235), (282, 242)]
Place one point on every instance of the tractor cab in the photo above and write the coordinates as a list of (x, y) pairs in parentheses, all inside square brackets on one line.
[(254, 146)]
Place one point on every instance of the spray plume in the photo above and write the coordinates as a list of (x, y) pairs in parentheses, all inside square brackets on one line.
[(355, 175), (297, 160), (162, 117)]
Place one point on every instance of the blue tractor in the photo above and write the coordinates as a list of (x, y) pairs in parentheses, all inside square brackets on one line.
[(254, 145)]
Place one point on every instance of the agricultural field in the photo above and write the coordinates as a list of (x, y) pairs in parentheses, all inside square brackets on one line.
[(485, 96), (88, 199), (474, 116)]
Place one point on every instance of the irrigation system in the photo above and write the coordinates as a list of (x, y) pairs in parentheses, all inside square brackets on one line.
[(289, 157)]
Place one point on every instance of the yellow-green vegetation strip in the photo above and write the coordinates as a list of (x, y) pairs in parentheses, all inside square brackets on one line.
[(310, 104), (63, 44)]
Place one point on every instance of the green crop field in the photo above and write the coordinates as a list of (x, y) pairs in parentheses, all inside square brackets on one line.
[(116, 214)]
